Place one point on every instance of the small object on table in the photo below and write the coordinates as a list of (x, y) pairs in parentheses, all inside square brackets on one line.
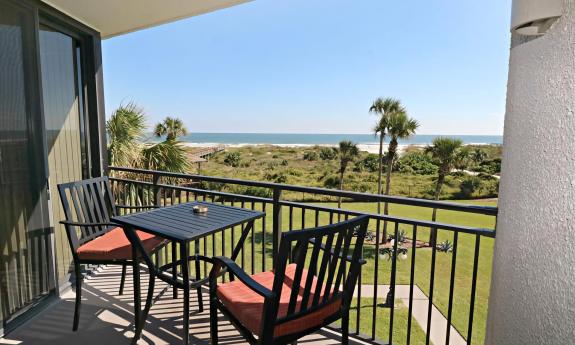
[(200, 209)]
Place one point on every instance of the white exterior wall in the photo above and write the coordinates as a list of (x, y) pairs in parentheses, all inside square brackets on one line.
[(533, 287)]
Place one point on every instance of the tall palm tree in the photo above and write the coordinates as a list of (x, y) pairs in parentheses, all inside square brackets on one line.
[(399, 126), (171, 127), (446, 154), (383, 108), (125, 129), (347, 153)]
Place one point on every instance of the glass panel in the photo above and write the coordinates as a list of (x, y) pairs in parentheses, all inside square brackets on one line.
[(25, 251), (62, 105)]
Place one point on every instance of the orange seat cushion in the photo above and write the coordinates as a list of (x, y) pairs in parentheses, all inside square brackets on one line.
[(114, 245), (247, 306)]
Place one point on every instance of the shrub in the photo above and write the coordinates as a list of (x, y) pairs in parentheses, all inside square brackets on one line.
[(327, 153), (310, 156), (360, 187), (233, 159), (257, 191), (284, 163), (369, 163), (294, 172), (278, 177), (470, 186), (490, 167), (416, 163), (331, 181)]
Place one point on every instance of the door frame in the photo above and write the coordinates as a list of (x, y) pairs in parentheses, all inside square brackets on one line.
[(92, 90)]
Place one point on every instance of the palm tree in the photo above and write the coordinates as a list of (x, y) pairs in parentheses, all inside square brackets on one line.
[(165, 156), (171, 127), (347, 153), (399, 126), (168, 155), (478, 156), (446, 154), (125, 129), (383, 108)]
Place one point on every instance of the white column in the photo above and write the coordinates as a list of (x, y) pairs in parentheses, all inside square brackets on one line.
[(532, 297)]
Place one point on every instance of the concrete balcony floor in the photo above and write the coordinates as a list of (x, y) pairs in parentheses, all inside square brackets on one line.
[(107, 318)]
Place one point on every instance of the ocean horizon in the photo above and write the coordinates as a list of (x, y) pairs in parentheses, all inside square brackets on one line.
[(323, 139)]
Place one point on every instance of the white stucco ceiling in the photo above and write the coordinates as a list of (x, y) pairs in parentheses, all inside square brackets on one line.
[(116, 17)]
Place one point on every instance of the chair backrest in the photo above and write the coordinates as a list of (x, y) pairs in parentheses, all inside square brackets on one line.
[(327, 260), (87, 201)]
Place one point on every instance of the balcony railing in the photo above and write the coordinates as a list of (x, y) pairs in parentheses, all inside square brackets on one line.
[(409, 292)]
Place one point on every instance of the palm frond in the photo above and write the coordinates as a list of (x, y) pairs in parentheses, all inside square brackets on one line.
[(125, 129)]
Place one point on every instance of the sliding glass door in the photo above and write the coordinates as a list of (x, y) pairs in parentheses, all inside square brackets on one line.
[(62, 88), (26, 270), (51, 131)]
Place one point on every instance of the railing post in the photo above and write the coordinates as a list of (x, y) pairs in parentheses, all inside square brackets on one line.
[(157, 197), (277, 222)]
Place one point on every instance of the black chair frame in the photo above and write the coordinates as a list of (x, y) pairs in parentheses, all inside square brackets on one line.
[(88, 206), (335, 241)]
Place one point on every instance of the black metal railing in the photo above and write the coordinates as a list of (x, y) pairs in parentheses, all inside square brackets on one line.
[(451, 283)]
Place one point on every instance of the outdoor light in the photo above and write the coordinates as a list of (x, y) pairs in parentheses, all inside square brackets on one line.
[(534, 17)]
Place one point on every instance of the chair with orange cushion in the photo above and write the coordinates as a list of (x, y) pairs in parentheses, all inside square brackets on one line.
[(88, 206), (298, 298)]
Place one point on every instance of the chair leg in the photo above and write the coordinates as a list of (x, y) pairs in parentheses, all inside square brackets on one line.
[(213, 321), (79, 278), (345, 328), (123, 279)]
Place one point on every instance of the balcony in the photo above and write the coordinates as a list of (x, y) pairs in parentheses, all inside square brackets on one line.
[(439, 292)]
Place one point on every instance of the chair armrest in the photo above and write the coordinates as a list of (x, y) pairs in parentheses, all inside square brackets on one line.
[(65, 222), (136, 207), (233, 268)]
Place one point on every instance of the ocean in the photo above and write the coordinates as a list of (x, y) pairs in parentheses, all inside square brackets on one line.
[(288, 139)]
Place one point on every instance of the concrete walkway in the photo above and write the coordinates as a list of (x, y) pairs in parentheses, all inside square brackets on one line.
[(438, 328)]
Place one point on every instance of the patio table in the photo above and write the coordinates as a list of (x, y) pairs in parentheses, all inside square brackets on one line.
[(182, 226)]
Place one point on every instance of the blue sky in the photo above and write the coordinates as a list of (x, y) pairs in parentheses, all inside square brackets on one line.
[(302, 66)]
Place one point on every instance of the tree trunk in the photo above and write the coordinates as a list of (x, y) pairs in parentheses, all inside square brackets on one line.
[(391, 156), (340, 187), (380, 172), (433, 231)]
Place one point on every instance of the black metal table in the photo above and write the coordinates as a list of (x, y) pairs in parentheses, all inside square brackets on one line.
[(181, 225)]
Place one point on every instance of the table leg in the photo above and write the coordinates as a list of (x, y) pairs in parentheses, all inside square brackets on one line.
[(239, 246), (198, 277), (174, 269), (184, 253)]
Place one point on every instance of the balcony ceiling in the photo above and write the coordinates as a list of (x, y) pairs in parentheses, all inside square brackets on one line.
[(117, 17)]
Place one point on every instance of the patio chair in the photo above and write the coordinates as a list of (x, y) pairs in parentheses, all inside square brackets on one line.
[(298, 298), (88, 206)]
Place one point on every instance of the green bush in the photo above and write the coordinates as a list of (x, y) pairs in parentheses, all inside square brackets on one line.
[(257, 191), (327, 153), (491, 167), (284, 163), (278, 177), (310, 156), (369, 163), (470, 186), (417, 163), (233, 159), (331, 181)]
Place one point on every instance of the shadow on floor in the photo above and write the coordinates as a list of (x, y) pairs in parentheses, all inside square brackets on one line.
[(107, 318)]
